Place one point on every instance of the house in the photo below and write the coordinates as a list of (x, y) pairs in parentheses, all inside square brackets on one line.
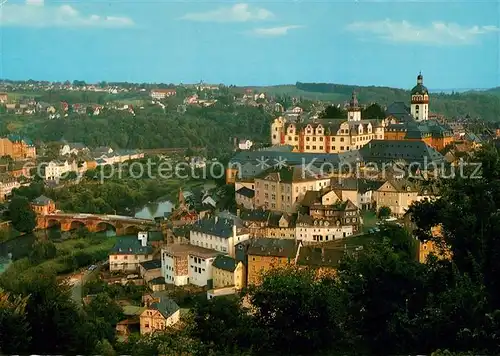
[(160, 94), (55, 170), (200, 267), (129, 252), (7, 184), (281, 189), (344, 213), (322, 259), (313, 230), (227, 272), (103, 150), (245, 144), (150, 269), (264, 254), (3, 98), (21, 169), (397, 195), (74, 148), (43, 205), (182, 264), (245, 197), (217, 234), (159, 315)]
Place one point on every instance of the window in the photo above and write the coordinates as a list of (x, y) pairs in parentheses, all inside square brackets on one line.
[(314, 138)]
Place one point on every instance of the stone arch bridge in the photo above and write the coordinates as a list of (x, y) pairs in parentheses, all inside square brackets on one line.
[(123, 225)]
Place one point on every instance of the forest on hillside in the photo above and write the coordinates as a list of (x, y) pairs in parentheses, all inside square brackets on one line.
[(485, 105)]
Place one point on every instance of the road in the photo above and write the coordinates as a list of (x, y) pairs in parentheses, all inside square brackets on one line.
[(80, 279)]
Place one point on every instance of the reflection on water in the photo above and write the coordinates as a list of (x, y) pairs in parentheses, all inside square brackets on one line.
[(155, 210)]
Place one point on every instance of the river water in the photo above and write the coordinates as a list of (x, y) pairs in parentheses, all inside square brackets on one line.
[(155, 210)]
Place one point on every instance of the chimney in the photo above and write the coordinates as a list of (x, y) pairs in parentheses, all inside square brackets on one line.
[(238, 212), (234, 229), (216, 219), (143, 237)]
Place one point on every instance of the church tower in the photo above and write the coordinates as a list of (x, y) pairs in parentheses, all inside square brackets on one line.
[(420, 100), (353, 111)]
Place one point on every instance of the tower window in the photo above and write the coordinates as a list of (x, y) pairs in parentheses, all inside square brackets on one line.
[(417, 107)]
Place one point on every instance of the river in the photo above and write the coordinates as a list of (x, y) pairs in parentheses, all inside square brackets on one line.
[(155, 210)]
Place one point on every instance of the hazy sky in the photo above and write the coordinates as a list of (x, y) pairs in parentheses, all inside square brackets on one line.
[(454, 44)]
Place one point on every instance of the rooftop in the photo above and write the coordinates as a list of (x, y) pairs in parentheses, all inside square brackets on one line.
[(272, 247), (225, 263), (130, 246), (152, 264)]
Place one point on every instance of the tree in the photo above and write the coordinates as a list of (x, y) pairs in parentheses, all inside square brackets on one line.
[(22, 216), (384, 212), (295, 313), (333, 112), (373, 112), (42, 251), (14, 327)]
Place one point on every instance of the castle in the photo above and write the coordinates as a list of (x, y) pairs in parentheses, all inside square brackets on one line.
[(337, 136)]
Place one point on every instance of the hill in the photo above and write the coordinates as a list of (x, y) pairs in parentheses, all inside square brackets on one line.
[(483, 104)]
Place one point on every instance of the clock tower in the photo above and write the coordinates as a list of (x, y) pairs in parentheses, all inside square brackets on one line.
[(420, 100)]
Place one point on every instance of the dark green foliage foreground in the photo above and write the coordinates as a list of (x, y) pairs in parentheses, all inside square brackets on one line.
[(382, 301)]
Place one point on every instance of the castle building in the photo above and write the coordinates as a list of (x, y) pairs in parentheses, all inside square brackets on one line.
[(328, 135), (17, 147), (403, 123)]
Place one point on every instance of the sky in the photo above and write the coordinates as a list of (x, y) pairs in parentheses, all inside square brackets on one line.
[(455, 44)]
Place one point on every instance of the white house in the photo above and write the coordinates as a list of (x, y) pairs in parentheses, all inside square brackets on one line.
[(73, 148), (200, 268), (128, 252), (7, 183), (218, 234), (309, 229), (54, 170), (245, 144), (182, 264)]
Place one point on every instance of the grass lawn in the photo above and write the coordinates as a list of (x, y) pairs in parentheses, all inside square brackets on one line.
[(20, 95), (369, 220)]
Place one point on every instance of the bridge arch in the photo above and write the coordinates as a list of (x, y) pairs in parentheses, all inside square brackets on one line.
[(133, 230), (53, 223), (105, 226), (77, 224)]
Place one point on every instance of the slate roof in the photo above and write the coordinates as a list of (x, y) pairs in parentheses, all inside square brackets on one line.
[(317, 257), (41, 200), (380, 151), (397, 109), (166, 306), (215, 226), (152, 264), (130, 246), (290, 174), (272, 247), (18, 138), (155, 236), (259, 215), (225, 263), (157, 281), (246, 192), (275, 217)]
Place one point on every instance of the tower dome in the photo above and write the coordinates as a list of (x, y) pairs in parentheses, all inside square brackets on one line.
[(420, 89)]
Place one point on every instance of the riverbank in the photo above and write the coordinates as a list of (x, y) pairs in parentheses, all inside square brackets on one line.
[(69, 256)]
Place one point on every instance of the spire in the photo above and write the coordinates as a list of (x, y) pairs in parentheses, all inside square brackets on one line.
[(420, 78), (354, 100)]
